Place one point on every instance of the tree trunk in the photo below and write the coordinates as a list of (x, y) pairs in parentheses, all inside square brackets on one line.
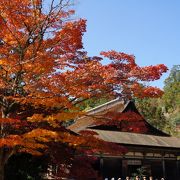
[(4, 156), (1, 172), (2, 150)]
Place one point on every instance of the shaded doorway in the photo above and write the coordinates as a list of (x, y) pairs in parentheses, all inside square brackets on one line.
[(112, 167), (157, 169), (171, 169)]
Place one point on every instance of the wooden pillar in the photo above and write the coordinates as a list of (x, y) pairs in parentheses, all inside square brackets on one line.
[(124, 168), (143, 160), (101, 166), (177, 169), (163, 168)]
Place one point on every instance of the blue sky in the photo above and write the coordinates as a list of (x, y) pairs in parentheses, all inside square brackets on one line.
[(149, 29)]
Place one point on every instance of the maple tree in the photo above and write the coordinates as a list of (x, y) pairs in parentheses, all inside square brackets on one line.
[(44, 74)]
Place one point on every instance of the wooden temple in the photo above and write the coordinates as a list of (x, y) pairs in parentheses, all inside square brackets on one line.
[(151, 149)]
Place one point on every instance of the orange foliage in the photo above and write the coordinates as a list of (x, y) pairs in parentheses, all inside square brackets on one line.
[(129, 76)]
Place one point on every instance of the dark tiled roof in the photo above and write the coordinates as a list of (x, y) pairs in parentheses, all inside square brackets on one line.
[(127, 138)]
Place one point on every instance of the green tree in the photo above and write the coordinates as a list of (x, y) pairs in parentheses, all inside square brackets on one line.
[(171, 97), (164, 112), (153, 112)]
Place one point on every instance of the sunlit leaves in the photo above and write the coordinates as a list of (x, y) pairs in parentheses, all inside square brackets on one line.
[(128, 76)]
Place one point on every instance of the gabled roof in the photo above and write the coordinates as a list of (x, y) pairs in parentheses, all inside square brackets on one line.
[(96, 114), (99, 114)]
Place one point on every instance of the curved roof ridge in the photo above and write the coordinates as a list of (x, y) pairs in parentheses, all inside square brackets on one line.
[(102, 107)]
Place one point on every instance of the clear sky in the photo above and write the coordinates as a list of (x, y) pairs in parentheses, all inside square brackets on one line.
[(149, 29)]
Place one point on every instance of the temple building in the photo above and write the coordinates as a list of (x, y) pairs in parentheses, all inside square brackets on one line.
[(149, 149)]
